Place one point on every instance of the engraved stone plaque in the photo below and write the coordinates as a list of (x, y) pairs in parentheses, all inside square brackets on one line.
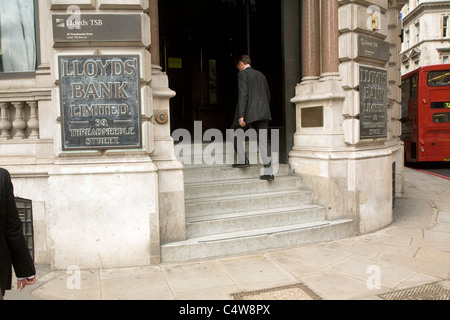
[(373, 102), (100, 102)]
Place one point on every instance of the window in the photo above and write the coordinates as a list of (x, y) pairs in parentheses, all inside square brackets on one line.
[(406, 89), (445, 25), (440, 105), (417, 32), (445, 59), (414, 82), (17, 36), (439, 78), (441, 118), (408, 37)]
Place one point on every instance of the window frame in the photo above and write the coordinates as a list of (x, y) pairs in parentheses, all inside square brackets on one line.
[(28, 74), (417, 27), (408, 38), (433, 74), (445, 26)]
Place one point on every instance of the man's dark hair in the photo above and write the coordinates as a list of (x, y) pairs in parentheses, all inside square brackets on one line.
[(245, 59)]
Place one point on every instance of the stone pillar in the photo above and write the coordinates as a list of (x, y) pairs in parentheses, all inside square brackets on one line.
[(395, 94), (172, 218), (311, 39), (171, 221), (330, 153), (319, 99), (330, 38)]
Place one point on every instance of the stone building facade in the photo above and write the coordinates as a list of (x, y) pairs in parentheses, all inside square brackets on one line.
[(426, 38), (105, 203)]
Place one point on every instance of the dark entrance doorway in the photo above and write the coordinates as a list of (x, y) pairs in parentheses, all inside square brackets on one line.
[(200, 40)]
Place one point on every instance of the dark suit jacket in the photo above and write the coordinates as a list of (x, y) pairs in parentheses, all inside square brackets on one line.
[(13, 248), (253, 98)]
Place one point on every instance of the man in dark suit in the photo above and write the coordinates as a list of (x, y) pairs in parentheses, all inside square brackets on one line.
[(13, 248), (253, 111)]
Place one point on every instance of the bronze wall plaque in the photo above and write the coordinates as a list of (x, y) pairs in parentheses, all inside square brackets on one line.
[(97, 28), (373, 102), (100, 102), (370, 47), (312, 117)]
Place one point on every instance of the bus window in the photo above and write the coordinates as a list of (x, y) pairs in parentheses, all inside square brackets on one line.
[(439, 78), (441, 118), (414, 87), (440, 105), (406, 89)]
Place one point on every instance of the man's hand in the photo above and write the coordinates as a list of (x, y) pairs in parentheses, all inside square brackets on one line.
[(242, 122), (21, 284)]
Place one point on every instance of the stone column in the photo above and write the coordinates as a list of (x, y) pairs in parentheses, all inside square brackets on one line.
[(33, 123), (154, 25), (19, 123), (330, 38), (311, 39), (5, 123), (171, 220)]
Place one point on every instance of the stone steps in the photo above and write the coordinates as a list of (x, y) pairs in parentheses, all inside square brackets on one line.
[(232, 187), (198, 226), (244, 202), (231, 211), (203, 174), (255, 240)]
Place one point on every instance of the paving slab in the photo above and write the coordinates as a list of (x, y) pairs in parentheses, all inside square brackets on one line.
[(433, 254), (443, 216), (150, 285), (195, 276), (335, 286), (433, 268), (386, 275), (317, 256), (293, 265), (67, 286), (256, 272), (216, 293), (417, 279)]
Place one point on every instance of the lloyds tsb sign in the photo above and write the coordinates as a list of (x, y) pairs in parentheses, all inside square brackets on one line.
[(100, 102)]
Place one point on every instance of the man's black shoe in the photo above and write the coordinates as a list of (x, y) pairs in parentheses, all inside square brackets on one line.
[(267, 177), (241, 165)]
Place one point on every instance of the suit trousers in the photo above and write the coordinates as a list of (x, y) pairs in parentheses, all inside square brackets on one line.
[(262, 133)]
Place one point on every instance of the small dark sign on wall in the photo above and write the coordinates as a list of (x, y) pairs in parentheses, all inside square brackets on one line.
[(370, 47), (100, 102), (97, 28), (373, 102)]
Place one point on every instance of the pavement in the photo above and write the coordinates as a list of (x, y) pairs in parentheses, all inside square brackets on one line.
[(402, 261)]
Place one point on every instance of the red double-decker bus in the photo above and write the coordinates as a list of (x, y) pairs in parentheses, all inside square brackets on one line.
[(426, 114)]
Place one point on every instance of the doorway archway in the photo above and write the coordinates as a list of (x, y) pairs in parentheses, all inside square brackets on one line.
[(199, 42)]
